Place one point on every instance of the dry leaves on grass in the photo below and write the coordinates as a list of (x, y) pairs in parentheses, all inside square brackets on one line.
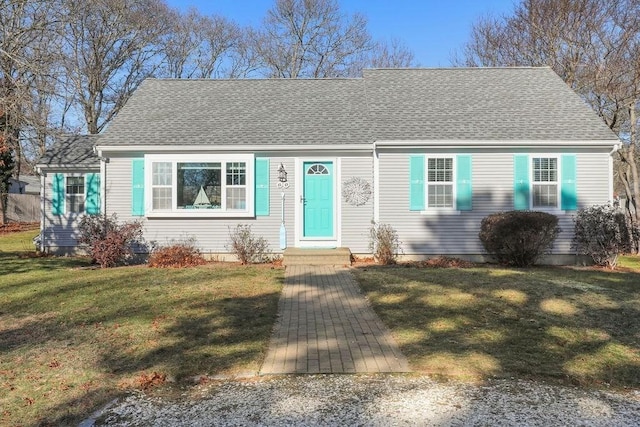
[(145, 381), (442, 262), (16, 227)]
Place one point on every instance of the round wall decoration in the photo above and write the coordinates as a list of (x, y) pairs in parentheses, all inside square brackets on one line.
[(356, 191)]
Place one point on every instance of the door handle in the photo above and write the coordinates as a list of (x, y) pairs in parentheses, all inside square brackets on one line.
[(301, 199)]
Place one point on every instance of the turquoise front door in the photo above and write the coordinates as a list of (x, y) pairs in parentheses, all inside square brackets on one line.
[(317, 214)]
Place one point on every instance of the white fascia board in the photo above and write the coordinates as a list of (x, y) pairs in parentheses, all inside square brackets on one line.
[(232, 148), (492, 144)]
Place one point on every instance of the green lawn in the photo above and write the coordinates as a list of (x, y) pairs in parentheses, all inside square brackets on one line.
[(72, 338), (574, 326)]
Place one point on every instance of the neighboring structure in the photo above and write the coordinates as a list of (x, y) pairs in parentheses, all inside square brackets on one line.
[(429, 151), (27, 184), (23, 200)]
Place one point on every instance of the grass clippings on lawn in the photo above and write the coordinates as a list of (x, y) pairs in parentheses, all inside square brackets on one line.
[(567, 325), (72, 338)]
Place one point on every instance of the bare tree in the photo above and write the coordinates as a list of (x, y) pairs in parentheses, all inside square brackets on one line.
[(394, 54), (28, 33), (310, 38), (111, 46), (203, 47), (593, 45)]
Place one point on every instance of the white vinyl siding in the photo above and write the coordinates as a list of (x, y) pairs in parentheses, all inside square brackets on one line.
[(356, 220), (493, 174), (211, 233), (60, 232)]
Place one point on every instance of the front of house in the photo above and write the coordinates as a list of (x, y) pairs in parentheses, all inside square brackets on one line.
[(428, 151)]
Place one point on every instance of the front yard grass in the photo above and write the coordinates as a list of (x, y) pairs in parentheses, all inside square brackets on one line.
[(72, 338), (567, 325)]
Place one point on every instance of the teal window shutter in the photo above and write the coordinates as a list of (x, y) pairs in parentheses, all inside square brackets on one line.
[(464, 196), (262, 187), (92, 188), (137, 187), (57, 194), (521, 185), (416, 183), (569, 200)]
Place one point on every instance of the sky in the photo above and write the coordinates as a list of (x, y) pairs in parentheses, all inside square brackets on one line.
[(432, 29)]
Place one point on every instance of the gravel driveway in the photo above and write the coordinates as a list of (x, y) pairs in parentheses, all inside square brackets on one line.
[(377, 400)]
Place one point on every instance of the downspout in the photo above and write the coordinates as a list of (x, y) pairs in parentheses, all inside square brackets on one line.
[(376, 184), (615, 149), (43, 196), (103, 180)]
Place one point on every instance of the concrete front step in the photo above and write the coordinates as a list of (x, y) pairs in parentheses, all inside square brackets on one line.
[(317, 256)]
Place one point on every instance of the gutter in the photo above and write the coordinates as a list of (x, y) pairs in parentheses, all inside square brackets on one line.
[(232, 148), (489, 143)]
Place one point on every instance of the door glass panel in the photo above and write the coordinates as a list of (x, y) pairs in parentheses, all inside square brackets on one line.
[(317, 169)]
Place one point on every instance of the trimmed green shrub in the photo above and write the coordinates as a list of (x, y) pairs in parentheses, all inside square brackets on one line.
[(384, 243), (518, 238), (109, 242), (603, 233), (248, 247)]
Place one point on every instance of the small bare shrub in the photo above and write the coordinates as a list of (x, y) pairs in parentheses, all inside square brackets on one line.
[(248, 247), (177, 254), (384, 243), (518, 238), (109, 243), (603, 233)]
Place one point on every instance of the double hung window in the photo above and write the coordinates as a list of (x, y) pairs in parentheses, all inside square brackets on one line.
[(75, 194), (440, 182), (545, 182)]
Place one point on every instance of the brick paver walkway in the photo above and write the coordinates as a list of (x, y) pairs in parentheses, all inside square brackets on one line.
[(325, 325)]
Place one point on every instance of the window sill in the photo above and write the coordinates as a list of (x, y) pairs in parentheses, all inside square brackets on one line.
[(440, 212), (553, 211), (199, 213)]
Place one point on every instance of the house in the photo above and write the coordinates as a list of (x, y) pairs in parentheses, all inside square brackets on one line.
[(429, 151), (70, 174)]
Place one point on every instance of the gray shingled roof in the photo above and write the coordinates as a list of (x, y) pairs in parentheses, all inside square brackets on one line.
[(478, 104), (74, 150), (265, 112), (498, 104)]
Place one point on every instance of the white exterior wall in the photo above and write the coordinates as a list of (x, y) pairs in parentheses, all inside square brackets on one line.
[(59, 233), (212, 234), (456, 233), (356, 220)]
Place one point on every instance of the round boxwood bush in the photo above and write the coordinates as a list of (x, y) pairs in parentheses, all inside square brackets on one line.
[(518, 238)]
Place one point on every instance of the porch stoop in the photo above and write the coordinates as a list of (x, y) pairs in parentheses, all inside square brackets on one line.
[(312, 256)]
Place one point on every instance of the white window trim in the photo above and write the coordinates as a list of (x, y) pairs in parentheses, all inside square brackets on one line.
[(174, 159), (66, 195), (318, 242), (440, 210), (553, 210)]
